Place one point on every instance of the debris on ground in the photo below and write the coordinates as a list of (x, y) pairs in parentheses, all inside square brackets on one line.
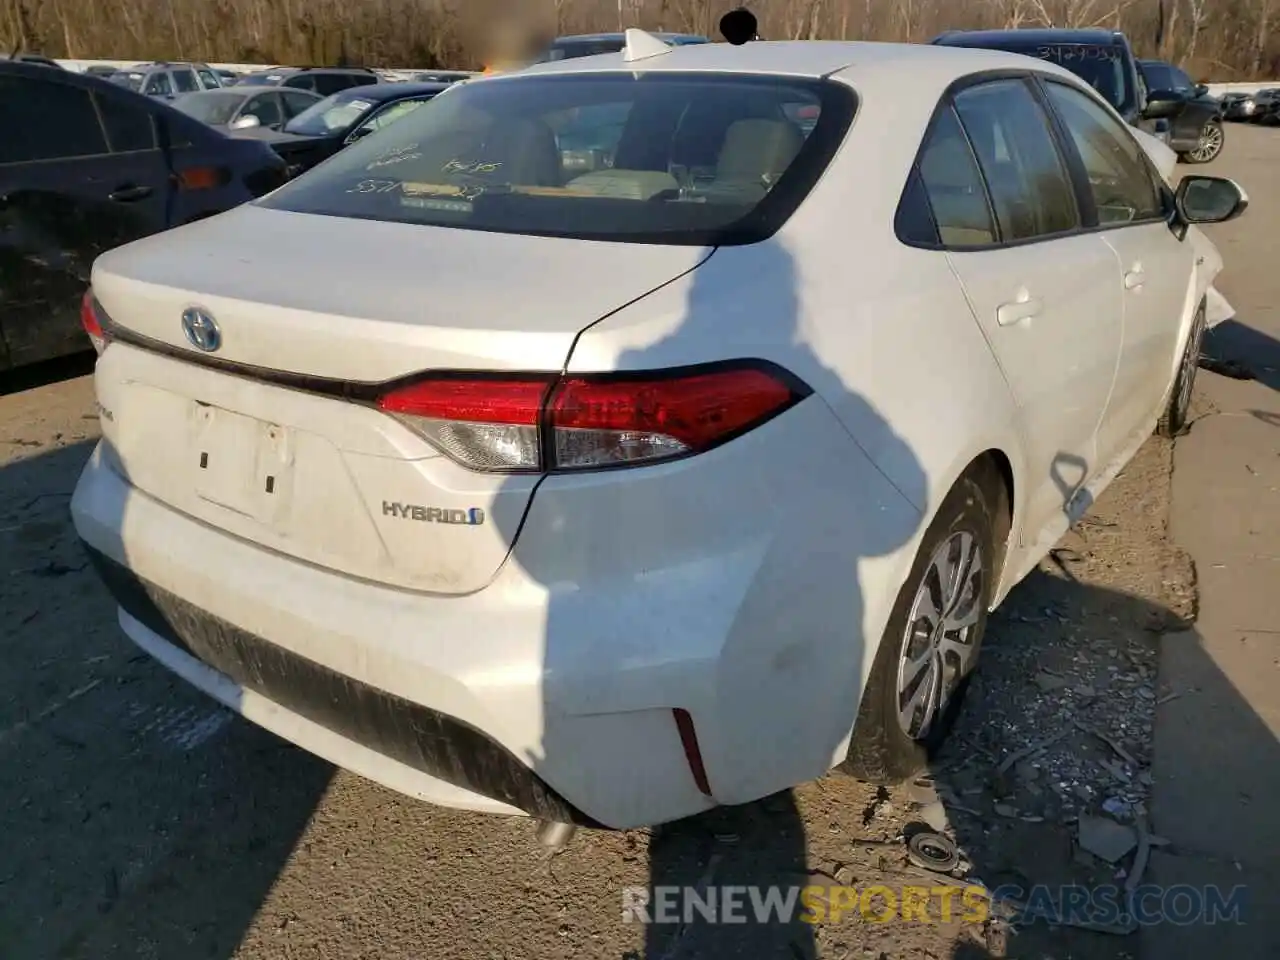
[(1105, 838)]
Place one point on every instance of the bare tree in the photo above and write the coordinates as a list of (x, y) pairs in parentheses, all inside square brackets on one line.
[(1237, 38)]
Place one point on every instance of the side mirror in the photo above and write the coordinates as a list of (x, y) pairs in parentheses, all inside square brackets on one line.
[(359, 133), (1209, 200), (246, 122), (1201, 89), (1162, 104)]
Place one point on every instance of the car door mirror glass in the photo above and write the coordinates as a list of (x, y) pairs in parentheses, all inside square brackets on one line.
[(246, 122), (1210, 200), (1162, 104)]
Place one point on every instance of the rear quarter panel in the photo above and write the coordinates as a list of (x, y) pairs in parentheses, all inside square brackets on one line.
[(881, 331)]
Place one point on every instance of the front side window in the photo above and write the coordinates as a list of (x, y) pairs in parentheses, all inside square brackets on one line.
[(1027, 179), (954, 187), (209, 80), (185, 81), (266, 108), (1123, 187), (158, 85), (697, 158)]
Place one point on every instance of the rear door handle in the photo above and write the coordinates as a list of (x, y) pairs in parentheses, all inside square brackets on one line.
[(1134, 279), (129, 193), (1024, 308)]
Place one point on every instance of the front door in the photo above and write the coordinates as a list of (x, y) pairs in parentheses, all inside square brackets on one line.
[(1156, 268)]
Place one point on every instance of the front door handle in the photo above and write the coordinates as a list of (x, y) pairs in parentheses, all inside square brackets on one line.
[(1134, 279), (1020, 310), (130, 193)]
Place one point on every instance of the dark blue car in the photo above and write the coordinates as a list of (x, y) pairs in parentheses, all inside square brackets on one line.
[(86, 165)]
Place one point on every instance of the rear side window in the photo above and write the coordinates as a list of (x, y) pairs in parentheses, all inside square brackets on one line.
[(1027, 179), (129, 126), (29, 106), (954, 186), (1124, 189), (327, 84), (654, 158)]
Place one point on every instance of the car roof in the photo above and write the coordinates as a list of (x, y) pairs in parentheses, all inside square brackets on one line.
[(395, 91), (589, 37), (903, 63), (1028, 37)]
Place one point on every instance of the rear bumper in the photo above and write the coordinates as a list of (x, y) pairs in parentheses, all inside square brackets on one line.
[(739, 589), (425, 745)]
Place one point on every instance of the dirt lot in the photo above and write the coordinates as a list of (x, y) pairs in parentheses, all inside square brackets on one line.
[(138, 819)]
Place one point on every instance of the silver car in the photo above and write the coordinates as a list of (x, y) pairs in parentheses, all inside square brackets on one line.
[(239, 108), (167, 80)]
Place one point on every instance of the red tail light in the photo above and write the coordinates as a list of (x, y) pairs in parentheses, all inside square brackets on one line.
[(92, 323), (540, 422)]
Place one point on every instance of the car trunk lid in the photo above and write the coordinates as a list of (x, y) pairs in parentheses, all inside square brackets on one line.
[(267, 436)]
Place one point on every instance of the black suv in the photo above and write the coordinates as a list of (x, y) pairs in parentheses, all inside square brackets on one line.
[(325, 81), (92, 166), (1190, 121)]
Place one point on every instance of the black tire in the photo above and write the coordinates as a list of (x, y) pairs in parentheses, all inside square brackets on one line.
[(1216, 135), (1174, 419), (881, 752)]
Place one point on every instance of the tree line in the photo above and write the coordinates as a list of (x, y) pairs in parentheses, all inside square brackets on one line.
[(1212, 39)]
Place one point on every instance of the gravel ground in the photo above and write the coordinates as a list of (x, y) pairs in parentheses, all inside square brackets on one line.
[(138, 819)]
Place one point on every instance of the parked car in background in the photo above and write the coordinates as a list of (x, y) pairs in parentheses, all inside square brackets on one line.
[(228, 77), (325, 81), (97, 166), (333, 123), (233, 108), (442, 76), (615, 497), (1190, 122), (35, 58), (165, 80), (1267, 106), (99, 70), (591, 44), (1237, 106)]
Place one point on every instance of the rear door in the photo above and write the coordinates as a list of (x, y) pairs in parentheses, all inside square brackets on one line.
[(1046, 294), (1156, 267), (67, 197)]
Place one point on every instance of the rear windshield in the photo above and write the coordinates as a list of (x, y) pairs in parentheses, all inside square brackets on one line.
[(655, 158), (211, 106)]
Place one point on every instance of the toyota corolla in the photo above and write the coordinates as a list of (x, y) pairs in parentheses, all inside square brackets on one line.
[(607, 486)]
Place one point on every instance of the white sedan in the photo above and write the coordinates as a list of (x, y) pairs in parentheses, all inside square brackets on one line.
[(644, 432)]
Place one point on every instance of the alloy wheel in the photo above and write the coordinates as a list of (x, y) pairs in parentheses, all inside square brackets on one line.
[(1210, 144), (939, 648)]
